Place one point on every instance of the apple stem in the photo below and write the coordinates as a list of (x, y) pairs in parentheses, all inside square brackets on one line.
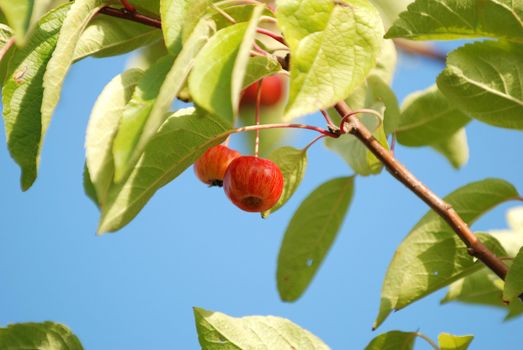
[(316, 139), (257, 117), (128, 6), (273, 35), (333, 134), (327, 117)]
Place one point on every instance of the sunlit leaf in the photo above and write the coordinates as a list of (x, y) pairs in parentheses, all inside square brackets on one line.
[(454, 342), (18, 15), (454, 19), (484, 79), (77, 18), (217, 78), (102, 128), (333, 44), (310, 234), (22, 94), (183, 137), (393, 340), (217, 331), (152, 99), (110, 36), (5, 35), (431, 256), (292, 163), (41, 336)]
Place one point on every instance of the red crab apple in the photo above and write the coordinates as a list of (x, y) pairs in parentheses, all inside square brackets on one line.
[(253, 184), (271, 92), (210, 167)]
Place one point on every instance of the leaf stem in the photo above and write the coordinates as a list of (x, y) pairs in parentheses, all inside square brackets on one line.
[(128, 6), (131, 16), (428, 340), (316, 139), (273, 35), (6, 47), (327, 118)]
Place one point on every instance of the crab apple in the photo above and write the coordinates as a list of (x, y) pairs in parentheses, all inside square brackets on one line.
[(211, 166), (253, 184), (271, 92)]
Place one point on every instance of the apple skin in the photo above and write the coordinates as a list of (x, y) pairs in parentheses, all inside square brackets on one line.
[(253, 184), (211, 166), (271, 92)]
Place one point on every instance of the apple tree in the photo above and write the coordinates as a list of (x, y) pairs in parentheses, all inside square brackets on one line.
[(246, 66)]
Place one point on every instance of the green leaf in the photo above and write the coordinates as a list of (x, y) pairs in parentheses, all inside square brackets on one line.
[(110, 36), (152, 99), (333, 44), (151, 7), (454, 342), (103, 125), (431, 256), (455, 19), (18, 14), (5, 35), (183, 137), (259, 67), (455, 148), (147, 56), (292, 163), (393, 340), (89, 189), (484, 287), (484, 79), (310, 234), (77, 18), (427, 118), (357, 156), (41, 336), (514, 279), (179, 19), (386, 62), (218, 331), (217, 78), (22, 94)]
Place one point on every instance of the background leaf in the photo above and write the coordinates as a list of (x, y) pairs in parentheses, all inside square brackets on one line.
[(455, 148), (335, 39), (5, 35), (454, 342), (44, 336), (428, 118), (218, 331), (310, 234), (432, 256), (454, 19), (22, 94), (484, 79), (184, 136), (18, 14), (393, 340), (514, 279), (292, 163), (102, 128)]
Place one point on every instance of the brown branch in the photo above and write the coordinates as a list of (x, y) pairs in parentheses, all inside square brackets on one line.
[(421, 49), (131, 16), (443, 209)]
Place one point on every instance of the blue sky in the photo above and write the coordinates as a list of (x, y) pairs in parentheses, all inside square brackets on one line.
[(191, 247)]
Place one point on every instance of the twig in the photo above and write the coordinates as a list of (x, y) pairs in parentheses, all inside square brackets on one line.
[(131, 16), (443, 209), (418, 49)]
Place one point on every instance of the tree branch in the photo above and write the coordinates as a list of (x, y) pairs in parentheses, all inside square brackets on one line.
[(131, 16), (421, 49), (443, 209)]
